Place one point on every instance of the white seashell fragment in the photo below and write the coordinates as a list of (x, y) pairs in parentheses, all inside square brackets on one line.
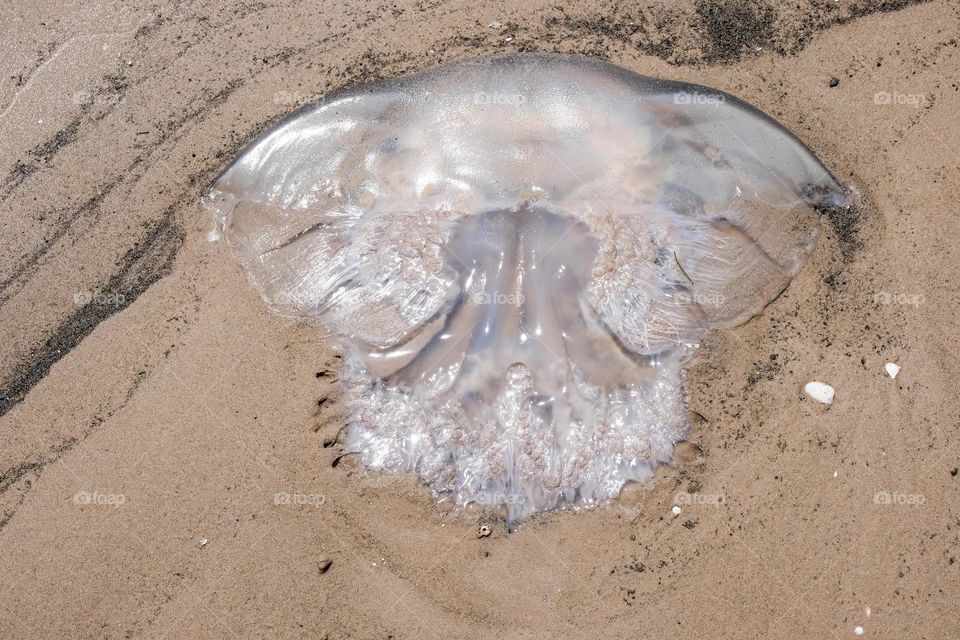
[(819, 391), (892, 369)]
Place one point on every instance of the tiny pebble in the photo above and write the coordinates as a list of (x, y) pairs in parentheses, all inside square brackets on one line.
[(483, 531), (834, 82), (203, 542), (858, 630), (819, 391), (676, 510), (325, 565), (495, 24), (892, 369)]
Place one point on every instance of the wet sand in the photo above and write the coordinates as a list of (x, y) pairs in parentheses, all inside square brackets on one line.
[(163, 468)]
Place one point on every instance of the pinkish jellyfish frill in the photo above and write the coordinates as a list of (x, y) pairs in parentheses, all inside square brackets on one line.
[(517, 255)]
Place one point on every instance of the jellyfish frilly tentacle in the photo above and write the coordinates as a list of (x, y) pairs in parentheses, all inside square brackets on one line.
[(519, 252)]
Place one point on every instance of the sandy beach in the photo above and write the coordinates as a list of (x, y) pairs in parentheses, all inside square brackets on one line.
[(170, 465)]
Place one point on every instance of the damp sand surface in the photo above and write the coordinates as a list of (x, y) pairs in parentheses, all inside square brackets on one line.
[(170, 464)]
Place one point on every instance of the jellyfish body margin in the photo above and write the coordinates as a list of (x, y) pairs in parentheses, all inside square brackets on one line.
[(517, 255)]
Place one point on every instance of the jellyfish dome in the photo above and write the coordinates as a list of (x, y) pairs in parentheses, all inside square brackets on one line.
[(517, 255)]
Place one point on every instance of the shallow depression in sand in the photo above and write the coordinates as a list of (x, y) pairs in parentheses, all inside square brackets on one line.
[(517, 255)]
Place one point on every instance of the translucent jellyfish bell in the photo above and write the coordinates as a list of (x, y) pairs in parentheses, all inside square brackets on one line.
[(517, 254)]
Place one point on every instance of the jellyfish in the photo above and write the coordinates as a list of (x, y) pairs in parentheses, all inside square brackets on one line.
[(517, 256)]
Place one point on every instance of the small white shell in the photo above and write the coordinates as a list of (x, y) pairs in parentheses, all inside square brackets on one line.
[(892, 369), (819, 391)]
